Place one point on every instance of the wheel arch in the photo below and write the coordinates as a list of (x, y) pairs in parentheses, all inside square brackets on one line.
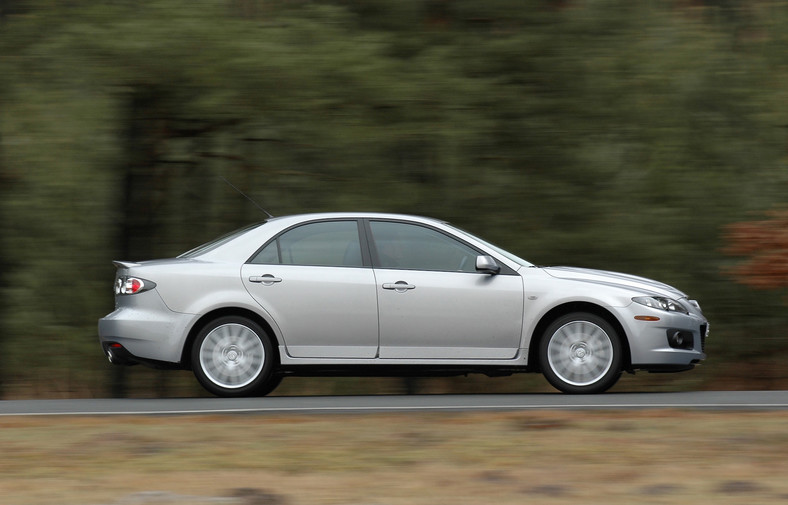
[(568, 308), (222, 312)]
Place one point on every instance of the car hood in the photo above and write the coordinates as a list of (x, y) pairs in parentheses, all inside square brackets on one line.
[(642, 284)]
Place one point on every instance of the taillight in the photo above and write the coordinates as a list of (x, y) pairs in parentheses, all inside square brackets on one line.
[(126, 285)]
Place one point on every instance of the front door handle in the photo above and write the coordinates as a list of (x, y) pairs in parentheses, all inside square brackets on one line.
[(266, 279), (399, 286)]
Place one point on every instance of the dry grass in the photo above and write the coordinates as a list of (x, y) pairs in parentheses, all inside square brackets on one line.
[(648, 457)]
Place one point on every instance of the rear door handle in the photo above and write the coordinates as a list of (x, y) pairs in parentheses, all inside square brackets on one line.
[(266, 279), (399, 286)]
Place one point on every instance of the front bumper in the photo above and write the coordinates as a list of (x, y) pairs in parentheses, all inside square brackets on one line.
[(670, 341)]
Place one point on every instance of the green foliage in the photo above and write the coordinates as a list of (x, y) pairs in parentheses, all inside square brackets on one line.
[(619, 135)]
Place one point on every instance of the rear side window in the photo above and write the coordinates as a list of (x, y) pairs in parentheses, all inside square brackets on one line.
[(326, 243)]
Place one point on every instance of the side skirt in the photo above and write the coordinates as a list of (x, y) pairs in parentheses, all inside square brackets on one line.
[(397, 370)]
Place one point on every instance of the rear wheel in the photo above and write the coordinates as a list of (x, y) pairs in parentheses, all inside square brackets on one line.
[(581, 353), (269, 385), (233, 356)]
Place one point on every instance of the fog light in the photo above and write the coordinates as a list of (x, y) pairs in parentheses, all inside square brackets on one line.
[(680, 339)]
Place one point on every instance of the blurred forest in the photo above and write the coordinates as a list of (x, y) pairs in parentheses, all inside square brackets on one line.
[(611, 134)]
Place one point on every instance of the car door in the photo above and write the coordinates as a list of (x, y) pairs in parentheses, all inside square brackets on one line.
[(433, 304), (313, 281)]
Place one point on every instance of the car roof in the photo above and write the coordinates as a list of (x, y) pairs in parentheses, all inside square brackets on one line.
[(354, 215), (250, 239)]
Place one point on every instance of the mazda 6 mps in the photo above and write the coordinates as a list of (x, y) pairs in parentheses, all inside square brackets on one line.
[(389, 295)]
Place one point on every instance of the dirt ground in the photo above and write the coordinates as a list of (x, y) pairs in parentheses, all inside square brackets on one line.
[(605, 457)]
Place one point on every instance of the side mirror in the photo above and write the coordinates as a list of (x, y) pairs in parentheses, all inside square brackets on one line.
[(487, 265)]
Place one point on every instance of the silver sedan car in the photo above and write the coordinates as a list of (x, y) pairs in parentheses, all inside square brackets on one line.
[(388, 294)]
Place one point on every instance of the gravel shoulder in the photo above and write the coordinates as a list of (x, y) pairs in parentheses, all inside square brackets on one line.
[(560, 457)]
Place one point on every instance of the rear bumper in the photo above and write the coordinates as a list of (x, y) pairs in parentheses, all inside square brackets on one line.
[(119, 355), (147, 331)]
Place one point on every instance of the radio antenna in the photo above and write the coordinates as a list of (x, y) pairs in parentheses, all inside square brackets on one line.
[(247, 197)]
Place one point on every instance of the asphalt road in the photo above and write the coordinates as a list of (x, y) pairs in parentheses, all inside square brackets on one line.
[(720, 400)]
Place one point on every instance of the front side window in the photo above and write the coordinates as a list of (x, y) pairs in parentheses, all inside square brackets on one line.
[(413, 247), (327, 243)]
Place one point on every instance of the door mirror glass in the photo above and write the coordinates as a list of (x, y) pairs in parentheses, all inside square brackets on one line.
[(487, 265)]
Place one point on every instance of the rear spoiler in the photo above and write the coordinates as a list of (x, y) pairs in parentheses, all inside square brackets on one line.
[(125, 264)]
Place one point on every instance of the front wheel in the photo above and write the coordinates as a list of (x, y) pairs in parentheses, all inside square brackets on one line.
[(233, 356), (581, 353)]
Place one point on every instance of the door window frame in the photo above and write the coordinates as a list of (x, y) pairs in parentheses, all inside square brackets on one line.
[(375, 257), (366, 259)]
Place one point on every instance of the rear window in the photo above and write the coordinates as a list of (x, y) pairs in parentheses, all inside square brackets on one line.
[(213, 244)]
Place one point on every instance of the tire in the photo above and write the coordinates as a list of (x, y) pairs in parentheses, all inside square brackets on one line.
[(233, 356), (581, 353), (272, 383)]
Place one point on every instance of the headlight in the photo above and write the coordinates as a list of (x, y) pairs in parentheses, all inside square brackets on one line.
[(659, 302)]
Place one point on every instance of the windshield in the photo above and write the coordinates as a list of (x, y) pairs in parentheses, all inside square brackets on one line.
[(506, 254), (213, 244)]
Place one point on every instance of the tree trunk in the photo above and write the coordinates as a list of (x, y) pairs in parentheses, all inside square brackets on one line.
[(136, 216), (4, 183)]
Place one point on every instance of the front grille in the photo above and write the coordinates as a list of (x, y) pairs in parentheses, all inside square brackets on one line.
[(703, 330)]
